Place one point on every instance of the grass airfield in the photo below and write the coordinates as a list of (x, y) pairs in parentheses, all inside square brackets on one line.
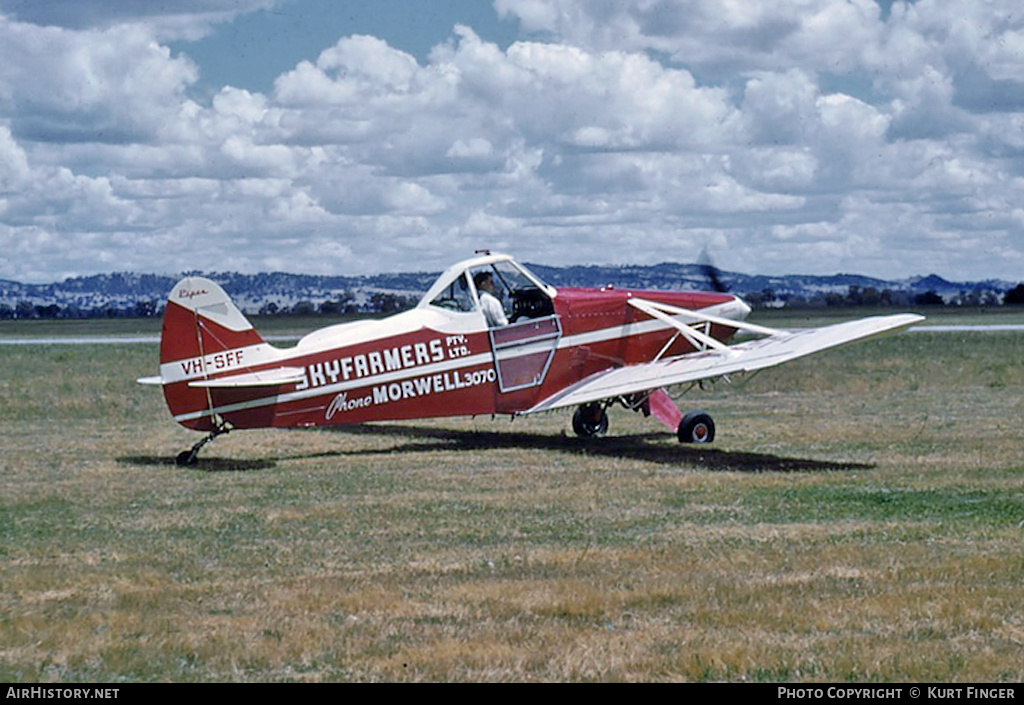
[(859, 518)]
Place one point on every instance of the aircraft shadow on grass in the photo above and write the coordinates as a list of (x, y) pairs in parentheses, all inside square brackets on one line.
[(411, 439), (206, 465), (646, 447)]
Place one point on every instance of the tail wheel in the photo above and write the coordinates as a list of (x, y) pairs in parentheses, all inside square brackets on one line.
[(590, 420), (696, 427)]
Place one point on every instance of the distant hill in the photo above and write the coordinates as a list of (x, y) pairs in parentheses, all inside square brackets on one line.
[(672, 275), (145, 294)]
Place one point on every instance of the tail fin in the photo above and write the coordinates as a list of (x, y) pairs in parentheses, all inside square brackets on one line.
[(203, 333)]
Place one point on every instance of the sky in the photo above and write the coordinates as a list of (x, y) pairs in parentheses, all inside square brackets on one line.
[(342, 137)]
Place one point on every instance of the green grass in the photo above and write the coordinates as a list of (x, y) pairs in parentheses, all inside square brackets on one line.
[(858, 519)]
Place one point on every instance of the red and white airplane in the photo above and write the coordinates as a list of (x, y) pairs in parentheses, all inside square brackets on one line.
[(460, 352)]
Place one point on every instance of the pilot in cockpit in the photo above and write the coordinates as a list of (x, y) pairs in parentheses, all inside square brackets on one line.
[(489, 302)]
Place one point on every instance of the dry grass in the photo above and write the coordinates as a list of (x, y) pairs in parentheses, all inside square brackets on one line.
[(859, 519)]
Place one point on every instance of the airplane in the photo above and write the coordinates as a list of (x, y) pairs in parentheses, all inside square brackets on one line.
[(488, 337)]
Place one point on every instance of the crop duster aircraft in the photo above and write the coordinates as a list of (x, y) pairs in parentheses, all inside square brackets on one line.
[(489, 337)]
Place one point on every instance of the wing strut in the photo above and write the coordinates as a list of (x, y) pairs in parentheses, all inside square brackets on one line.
[(700, 341), (658, 310)]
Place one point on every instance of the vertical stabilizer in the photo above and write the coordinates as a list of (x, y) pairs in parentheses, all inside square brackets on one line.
[(204, 334)]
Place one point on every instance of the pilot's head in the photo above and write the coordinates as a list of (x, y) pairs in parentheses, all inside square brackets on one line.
[(484, 282)]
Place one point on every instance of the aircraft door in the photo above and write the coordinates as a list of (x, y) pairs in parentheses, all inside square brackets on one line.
[(525, 333), (523, 351)]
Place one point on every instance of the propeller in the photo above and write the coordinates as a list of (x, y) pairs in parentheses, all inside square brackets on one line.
[(711, 273)]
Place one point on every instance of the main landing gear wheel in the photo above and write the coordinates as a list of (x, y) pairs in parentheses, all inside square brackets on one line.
[(696, 427), (590, 420)]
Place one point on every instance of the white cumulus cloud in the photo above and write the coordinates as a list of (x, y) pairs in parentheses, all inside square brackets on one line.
[(810, 136)]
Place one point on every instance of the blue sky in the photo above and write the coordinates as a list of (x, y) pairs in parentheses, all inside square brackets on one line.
[(255, 48), (813, 136)]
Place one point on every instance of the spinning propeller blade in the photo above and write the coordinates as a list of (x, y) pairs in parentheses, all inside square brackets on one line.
[(711, 273)]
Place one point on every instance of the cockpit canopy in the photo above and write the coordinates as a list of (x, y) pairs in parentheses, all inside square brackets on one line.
[(521, 293)]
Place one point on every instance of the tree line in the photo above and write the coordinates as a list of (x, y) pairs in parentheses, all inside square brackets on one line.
[(343, 305), (870, 297), (385, 303)]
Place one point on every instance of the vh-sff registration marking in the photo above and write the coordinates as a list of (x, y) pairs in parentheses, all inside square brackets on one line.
[(217, 362)]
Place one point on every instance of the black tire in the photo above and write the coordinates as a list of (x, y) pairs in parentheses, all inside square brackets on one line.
[(185, 458), (696, 427), (590, 420)]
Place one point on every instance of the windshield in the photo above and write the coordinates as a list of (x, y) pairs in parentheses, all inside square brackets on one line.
[(518, 292)]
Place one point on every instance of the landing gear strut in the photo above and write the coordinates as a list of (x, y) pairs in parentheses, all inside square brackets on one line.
[(696, 427), (188, 457), (590, 420)]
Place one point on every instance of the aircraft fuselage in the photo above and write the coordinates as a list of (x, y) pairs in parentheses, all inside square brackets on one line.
[(433, 366)]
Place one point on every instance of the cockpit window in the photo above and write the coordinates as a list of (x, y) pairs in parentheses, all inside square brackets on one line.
[(520, 296), (456, 296)]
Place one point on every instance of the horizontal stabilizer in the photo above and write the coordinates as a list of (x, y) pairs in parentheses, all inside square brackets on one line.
[(780, 347), (266, 378)]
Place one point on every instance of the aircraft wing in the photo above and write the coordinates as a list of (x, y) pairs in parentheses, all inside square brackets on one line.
[(780, 346)]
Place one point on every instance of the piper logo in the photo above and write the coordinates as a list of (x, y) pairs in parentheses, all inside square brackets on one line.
[(191, 293)]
